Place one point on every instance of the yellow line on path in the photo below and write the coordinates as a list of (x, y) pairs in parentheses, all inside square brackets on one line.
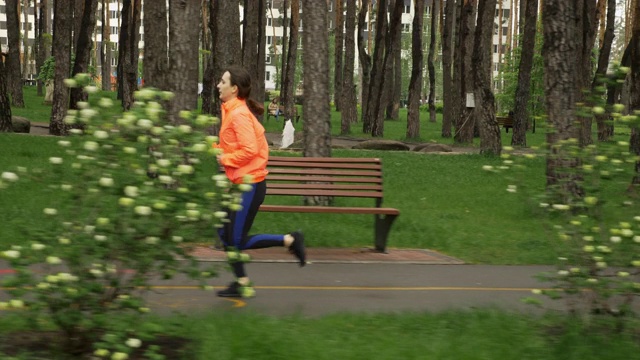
[(355, 288)]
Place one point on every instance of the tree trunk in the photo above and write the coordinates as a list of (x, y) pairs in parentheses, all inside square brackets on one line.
[(12, 63), (253, 24), (448, 37), (317, 128), (466, 122), (83, 50), (377, 71), (560, 64), (586, 30), (123, 40), (349, 113), (490, 142), (184, 29), (5, 106), (605, 131), (285, 43), (435, 9), (364, 58), (415, 84), (44, 47), (395, 72), (156, 60), (25, 40), (209, 79), (634, 96), (62, 31), (105, 47), (528, 41), (288, 87), (338, 66)]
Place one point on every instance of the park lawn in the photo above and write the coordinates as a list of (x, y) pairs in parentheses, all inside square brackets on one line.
[(469, 335)]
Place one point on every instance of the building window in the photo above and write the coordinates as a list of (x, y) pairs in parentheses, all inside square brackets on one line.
[(405, 28), (114, 61), (330, 24), (3, 25), (268, 60), (114, 30), (505, 30), (331, 5), (300, 25), (269, 21), (407, 9), (300, 42), (113, 14), (24, 26), (269, 40), (267, 76)]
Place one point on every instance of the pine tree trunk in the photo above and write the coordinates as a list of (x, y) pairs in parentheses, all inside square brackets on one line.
[(634, 101), (605, 131), (415, 83), (466, 121), (317, 128), (377, 70), (209, 90), (364, 58), (184, 29), (349, 111), (106, 46), (338, 66), (448, 37), (561, 62), (490, 142), (62, 30), (520, 113), (12, 63), (44, 49), (435, 9), (5, 106), (156, 60), (288, 94), (83, 50)]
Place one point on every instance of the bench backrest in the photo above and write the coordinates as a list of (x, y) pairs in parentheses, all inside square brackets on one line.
[(320, 176)]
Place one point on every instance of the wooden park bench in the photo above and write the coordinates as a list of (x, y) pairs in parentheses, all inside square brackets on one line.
[(507, 123), (331, 177), (271, 111)]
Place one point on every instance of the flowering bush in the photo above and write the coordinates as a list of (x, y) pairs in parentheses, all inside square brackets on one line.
[(600, 272), (128, 193)]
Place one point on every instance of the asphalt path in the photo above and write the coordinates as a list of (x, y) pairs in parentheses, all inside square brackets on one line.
[(320, 289)]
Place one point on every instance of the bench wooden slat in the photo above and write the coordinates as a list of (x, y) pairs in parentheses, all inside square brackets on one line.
[(323, 172), (324, 186), (333, 179), (279, 163), (323, 159), (310, 192), (330, 209)]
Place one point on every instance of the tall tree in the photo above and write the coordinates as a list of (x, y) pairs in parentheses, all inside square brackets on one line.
[(393, 82), (285, 43), (287, 95), (253, 25), (156, 59), (182, 79), (431, 57), (528, 42), (128, 51), (465, 123), (490, 143), (634, 98), (370, 114), (226, 40), (106, 46), (415, 84), (83, 49), (560, 63), (13, 57), (349, 113), (44, 46), (62, 32), (5, 106), (364, 57), (315, 59), (605, 130), (585, 30), (448, 36), (339, 45), (209, 79)]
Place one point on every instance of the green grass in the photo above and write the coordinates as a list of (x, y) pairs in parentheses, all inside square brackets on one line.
[(479, 334)]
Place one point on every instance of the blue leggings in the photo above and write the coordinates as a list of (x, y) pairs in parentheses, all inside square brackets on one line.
[(235, 232)]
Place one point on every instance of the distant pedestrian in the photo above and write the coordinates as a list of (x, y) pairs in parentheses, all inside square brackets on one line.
[(244, 154)]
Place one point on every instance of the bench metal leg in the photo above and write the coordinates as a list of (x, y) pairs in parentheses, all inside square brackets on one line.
[(383, 226)]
